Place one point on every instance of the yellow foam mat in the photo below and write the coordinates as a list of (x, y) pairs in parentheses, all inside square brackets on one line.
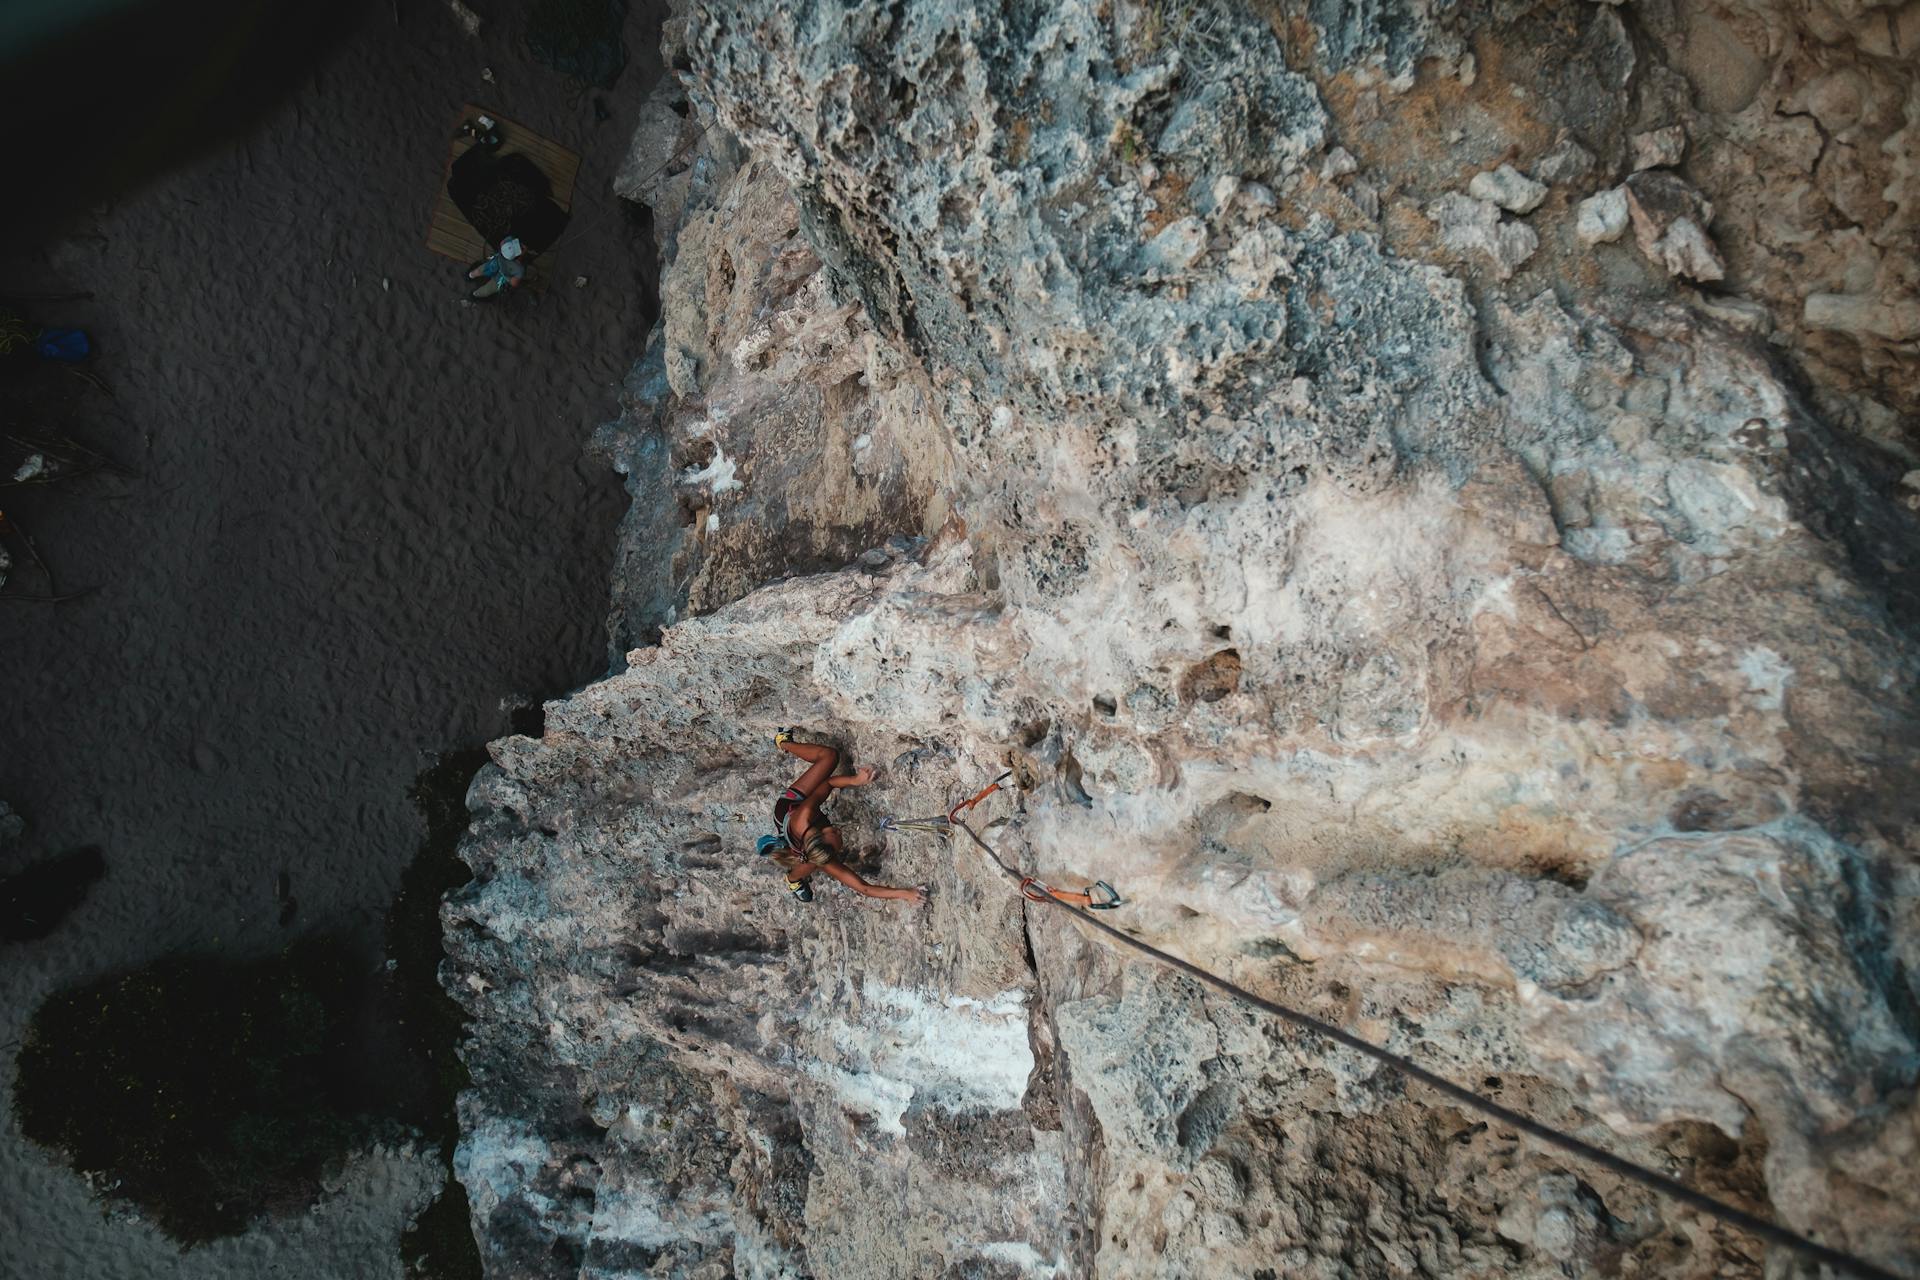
[(449, 233)]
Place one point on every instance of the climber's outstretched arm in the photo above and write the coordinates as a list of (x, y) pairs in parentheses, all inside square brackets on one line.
[(846, 876)]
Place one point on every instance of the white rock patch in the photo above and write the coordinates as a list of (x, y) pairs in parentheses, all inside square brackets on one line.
[(956, 1052)]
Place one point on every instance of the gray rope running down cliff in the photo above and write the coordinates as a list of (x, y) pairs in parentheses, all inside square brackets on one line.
[(1654, 1181)]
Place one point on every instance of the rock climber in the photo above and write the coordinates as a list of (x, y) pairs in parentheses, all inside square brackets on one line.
[(501, 271), (804, 841)]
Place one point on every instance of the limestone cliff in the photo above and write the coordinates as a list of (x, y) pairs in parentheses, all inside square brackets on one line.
[(1385, 480)]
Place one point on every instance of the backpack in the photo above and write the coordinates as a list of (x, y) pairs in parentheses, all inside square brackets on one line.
[(63, 344)]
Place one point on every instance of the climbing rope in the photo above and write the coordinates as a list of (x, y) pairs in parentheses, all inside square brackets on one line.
[(1654, 1181)]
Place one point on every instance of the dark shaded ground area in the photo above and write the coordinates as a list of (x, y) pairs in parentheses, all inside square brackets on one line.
[(100, 95), (202, 1089), (364, 524), (353, 523), (440, 1242), (33, 902), (207, 1090)]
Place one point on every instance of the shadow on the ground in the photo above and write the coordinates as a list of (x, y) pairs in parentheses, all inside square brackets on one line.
[(440, 1242), (208, 1091), (33, 902), (204, 1090)]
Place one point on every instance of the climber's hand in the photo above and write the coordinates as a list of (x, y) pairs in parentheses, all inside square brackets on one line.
[(858, 778)]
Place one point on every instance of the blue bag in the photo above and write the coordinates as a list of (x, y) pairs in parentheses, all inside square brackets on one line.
[(63, 344)]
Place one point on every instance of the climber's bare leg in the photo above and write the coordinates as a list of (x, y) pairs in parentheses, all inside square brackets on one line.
[(818, 780), (821, 762)]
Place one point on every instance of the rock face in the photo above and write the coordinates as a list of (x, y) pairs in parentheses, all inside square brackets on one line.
[(1517, 672), (1601, 219), (1473, 225)]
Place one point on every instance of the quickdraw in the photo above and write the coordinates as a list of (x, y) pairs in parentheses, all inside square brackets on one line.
[(953, 814), (1098, 896), (942, 824), (933, 826)]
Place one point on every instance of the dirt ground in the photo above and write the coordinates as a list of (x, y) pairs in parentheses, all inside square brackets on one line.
[(363, 530)]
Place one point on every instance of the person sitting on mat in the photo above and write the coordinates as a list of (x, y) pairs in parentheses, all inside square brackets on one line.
[(502, 271), (804, 841)]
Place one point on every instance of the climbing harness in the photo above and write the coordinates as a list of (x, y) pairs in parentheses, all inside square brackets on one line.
[(783, 809), (1566, 1142)]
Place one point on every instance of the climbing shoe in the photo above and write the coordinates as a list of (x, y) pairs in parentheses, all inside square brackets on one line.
[(801, 890)]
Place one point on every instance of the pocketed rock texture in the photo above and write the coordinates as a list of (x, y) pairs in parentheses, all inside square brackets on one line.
[(1517, 672)]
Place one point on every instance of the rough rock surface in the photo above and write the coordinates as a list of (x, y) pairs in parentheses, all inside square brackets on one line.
[(1801, 122), (1518, 672), (1601, 219), (1473, 225), (1669, 217), (1509, 188)]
